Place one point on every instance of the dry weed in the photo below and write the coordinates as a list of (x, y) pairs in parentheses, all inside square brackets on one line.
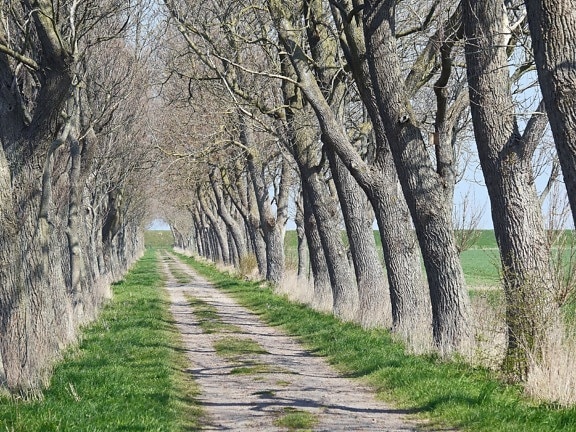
[(553, 377), (298, 289), (248, 267), (487, 345)]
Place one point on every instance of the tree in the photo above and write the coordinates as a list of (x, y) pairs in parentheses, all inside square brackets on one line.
[(45, 158), (552, 25), (506, 158), (428, 189)]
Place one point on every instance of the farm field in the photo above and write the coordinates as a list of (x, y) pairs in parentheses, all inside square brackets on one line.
[(481, 263)]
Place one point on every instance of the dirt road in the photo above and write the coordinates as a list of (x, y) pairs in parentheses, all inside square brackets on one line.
[(259, 390)]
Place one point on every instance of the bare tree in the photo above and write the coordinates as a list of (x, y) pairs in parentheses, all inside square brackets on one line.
[(427, 187), (553, 27), (46, 155), (506, 158)]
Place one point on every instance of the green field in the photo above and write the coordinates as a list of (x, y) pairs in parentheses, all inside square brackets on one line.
[(158, 239), (480, 263)]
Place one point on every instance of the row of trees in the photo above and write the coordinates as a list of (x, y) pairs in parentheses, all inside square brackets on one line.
[(355, 112), (332, 112), (73, 167)]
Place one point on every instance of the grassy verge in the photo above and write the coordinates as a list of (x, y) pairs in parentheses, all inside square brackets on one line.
[(126, 374), (450, 393)]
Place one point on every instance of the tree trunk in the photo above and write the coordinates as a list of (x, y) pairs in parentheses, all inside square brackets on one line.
[(272, 225), (428, 192), (244, 199), (36, 314), (323, 299), (553, 28), (223, 211), (344, 289), (374, 296), (217, 228), (506, 158), (299, 220)]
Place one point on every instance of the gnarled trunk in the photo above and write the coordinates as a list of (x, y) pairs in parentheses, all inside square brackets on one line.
[(506, 158), (428, 191), (553, 28)]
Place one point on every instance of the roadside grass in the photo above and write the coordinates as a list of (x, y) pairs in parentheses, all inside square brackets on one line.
[(127, 372), (450, 393)]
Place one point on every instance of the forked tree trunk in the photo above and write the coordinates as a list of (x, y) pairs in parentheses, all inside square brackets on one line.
[(428, 190), (506, 159), (272, 225)]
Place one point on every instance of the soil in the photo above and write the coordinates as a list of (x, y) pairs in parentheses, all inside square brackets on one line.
[(253, 392)]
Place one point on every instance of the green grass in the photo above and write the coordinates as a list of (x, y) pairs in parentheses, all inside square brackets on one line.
[(235, 347), (251, 369), (449, 393), (126, 374), (294, 419), (481, 267), (208, 318)]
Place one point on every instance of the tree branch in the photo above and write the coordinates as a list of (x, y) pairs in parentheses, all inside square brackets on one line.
[(27, 61)]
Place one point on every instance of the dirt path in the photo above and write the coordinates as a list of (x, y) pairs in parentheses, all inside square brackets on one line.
[(252, 392)]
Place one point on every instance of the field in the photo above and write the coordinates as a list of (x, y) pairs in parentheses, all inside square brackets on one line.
[(158, 239), (480, 263)]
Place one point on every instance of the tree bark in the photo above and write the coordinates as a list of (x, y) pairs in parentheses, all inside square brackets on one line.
[(374, 296), (299, 220), (552, 25), (323, 299), (217, 227), (428, 192), (233, 226), (272, 225), (506, 159)]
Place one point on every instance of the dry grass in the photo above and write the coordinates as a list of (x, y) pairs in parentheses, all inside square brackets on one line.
[(553, 378), (297, 289), (248, 266), (488, 340)]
